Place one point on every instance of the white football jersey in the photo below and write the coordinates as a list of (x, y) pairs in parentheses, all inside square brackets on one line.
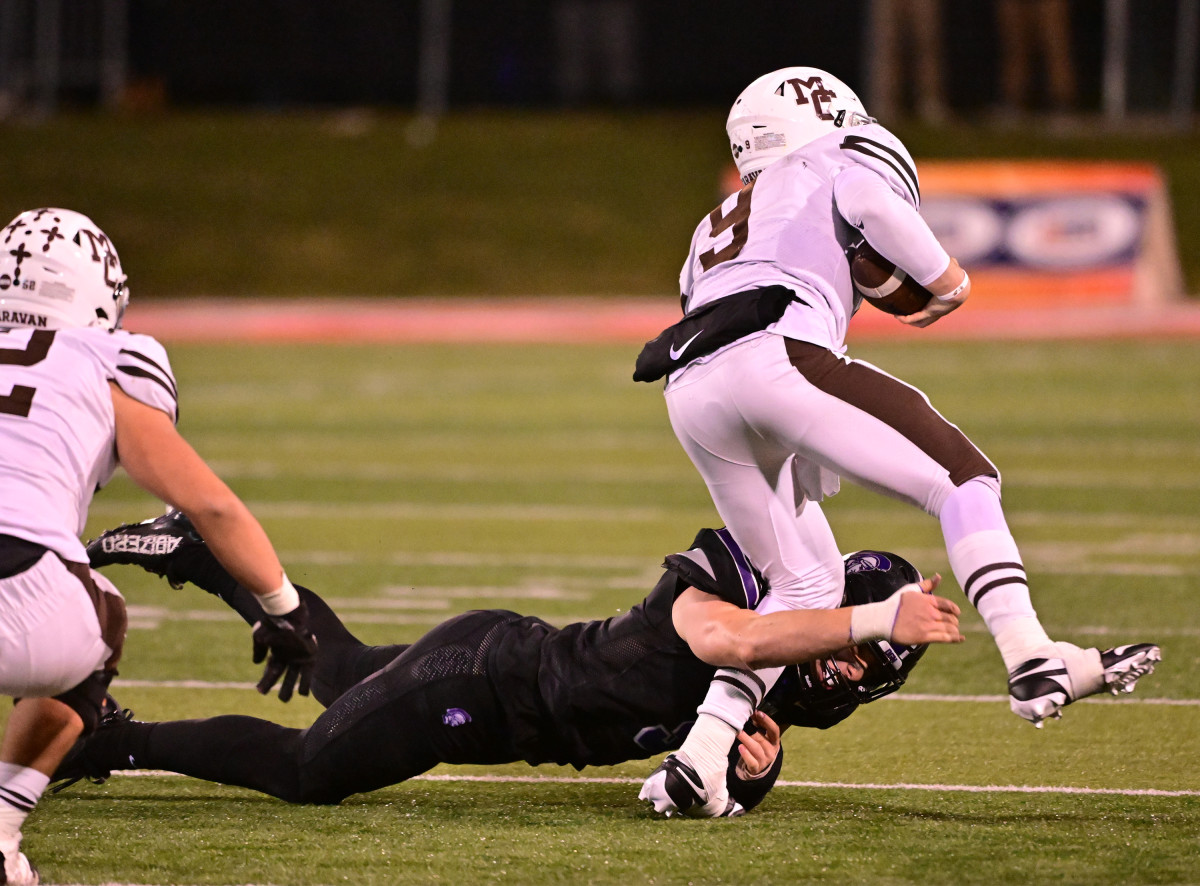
[(793, 226), (57, 433)]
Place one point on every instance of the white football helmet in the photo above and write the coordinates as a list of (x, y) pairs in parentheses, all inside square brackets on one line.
[(58, 270), (784, 110)]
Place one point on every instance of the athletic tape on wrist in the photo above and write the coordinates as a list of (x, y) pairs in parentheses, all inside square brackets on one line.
[(957, 290), (875, 621), (280, 601)]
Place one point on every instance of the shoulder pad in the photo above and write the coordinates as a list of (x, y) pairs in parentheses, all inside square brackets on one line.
[(883, 153), (716, 565), (140, 367)]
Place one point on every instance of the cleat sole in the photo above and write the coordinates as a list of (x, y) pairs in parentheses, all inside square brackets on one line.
[(1122, 678)]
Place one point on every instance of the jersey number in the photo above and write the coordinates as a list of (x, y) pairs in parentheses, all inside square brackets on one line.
[(738, 220), (19, 401)]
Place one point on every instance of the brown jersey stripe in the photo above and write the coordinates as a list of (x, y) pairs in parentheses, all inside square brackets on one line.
[(165, 378), (139, 372), (890, 156)]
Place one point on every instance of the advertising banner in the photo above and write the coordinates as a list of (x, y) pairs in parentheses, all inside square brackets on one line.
[(1055, 231)]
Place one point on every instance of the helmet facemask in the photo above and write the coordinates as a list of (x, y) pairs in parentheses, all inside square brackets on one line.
[(818, 693)]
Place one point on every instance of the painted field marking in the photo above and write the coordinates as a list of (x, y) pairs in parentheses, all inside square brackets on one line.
[(592, 320), (373, 611), (415, 510), (909, 697), (475, 474), (399, 510), (844, 785)]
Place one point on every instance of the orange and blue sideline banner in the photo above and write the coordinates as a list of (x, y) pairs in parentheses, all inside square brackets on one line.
[(1055, 232)]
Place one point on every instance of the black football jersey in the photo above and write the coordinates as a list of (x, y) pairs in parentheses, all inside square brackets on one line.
[(601, 692)]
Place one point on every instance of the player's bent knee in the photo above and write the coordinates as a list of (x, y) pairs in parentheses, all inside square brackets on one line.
[(87, 699), (989, 480)]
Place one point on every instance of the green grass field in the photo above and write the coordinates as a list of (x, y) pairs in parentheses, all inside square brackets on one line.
[(407, 483)]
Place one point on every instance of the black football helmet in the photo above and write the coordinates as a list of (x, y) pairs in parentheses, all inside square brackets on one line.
[(817, 694)]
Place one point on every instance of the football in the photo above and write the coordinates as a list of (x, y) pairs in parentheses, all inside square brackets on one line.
[(884, 285)]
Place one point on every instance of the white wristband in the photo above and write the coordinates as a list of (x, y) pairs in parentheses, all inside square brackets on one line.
[(954, 293), (875, 621), (280, 601)]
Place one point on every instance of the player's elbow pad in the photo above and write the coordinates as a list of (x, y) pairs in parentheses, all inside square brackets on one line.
[(751, 792)]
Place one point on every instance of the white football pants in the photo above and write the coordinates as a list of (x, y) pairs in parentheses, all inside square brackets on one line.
[(771, 423), (50, 637)]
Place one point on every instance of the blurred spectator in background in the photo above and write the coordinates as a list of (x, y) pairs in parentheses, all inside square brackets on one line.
[(596, 42), (909, 30), (1026, 27)]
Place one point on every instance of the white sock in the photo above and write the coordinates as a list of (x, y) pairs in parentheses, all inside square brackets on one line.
[(989, 570), (20, 790), (733, 695), (1020, 639), (1084, 667)]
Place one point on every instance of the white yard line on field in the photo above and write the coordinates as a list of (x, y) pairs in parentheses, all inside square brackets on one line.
[(862, 786), (1051, 557), (464, 559), (342, 511), (426, 607), (907, 697), (473, 474), (413, 510), (266, 469)]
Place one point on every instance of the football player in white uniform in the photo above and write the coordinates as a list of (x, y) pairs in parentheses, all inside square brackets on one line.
[(78, 396), (773, 414)]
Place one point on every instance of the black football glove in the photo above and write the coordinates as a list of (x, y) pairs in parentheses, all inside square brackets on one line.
[(292, 648)]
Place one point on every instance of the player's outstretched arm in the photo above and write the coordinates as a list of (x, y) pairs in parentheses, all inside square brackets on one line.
[(723, 635), (162, 462)]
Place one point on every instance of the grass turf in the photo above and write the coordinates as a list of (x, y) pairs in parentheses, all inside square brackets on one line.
[(410, 483)]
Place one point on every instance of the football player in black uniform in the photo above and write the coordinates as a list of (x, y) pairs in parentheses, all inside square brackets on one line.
[(492, 686)]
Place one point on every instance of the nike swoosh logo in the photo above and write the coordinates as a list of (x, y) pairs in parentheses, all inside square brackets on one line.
[(694, 784), (690, 777), (676, 354)]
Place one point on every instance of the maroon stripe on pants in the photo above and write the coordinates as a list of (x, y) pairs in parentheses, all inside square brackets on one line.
[(110, 612), (894, 403)]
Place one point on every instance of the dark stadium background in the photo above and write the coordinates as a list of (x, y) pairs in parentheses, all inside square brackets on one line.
[(191, 130), (502, 53)]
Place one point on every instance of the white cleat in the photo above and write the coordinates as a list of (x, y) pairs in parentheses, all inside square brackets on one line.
[(676, 787), (17, 870), (1125, 665), (1041, 687)]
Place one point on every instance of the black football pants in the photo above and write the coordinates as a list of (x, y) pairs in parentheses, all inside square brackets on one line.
[(392, 712)]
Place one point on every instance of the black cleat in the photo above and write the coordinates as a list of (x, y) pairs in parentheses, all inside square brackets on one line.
[(152, 544), (78, 764)]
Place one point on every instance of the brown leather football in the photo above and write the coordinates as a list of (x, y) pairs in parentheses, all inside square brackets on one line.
[(885, 286)]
